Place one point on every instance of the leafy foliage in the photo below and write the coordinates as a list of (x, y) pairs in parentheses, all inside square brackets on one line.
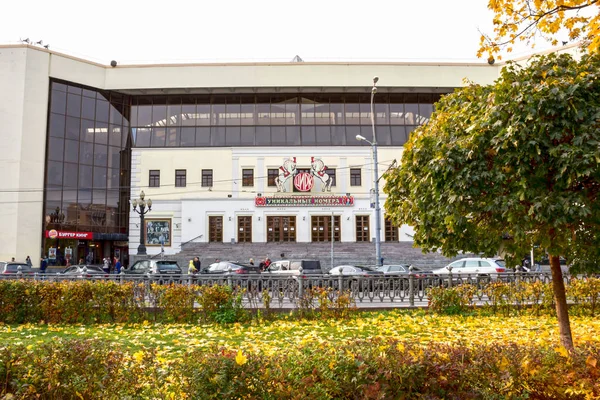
[(516, 160), (523, 20)]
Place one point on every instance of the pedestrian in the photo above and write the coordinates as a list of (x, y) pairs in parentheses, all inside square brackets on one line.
[(43, 265), (251, 261), (117, 265), (28, 261), (267, 262), (197, 264), (191, 267), (12, 260), (106, 265), (81, 261)]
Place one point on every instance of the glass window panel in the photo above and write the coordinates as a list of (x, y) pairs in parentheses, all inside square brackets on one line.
[(55, 149), (85, 176), (292, 112), (367, 132), (247, 114), (323, 136), (71, 171), (116, 116), (338, 135), (158, 137), (383, 135), (159, 112), (278, 114), (72, 151), (278, 136), (113, 178), (100, 154), (133, 112), (188, 115), (263, 114), (57, 125), (86, 153), (425, 111), (114, 157), (293, 135), (232, 114), (98, 199), (102, 110), (309, 136), (411, 108), (382, 113), (58, 102), (397, 114), (101, 133), (202, 137), (59, 86), (88, 108), (72, 128), (89, 93), (218, 114), (99, 177), (144, 115), (352, 109), (233, 136), (336, 113), (174, 111), (188, 137), (217, 136), (263, 136), (142, 136), (84, 197), (351, 132), (247, 136), (203, 115), (322, 114), (87, 131), (114, 135), (307, 113), (54, 173), (365, 111), (173, 137), (74, 89), (398, 135)]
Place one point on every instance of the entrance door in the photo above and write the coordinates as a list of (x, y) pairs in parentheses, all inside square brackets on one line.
[(244, 234), (362, 228), (281, 229), (321, 228), (215, 229)]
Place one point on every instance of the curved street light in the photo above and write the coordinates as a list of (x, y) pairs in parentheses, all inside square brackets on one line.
[(142, 204)]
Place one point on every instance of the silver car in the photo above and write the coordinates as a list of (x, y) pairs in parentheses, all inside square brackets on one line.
[(477, 267)]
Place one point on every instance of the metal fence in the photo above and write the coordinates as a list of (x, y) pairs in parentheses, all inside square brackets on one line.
[(287, 291)]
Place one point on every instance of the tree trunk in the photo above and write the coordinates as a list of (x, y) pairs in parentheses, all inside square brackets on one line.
[(560, 296)]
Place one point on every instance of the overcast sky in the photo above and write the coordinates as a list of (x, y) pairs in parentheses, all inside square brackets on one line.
[(133, 31)]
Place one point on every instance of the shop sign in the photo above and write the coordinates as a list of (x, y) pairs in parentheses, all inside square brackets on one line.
[(54, 234), (304, 201), (52, 253), (304, 182)]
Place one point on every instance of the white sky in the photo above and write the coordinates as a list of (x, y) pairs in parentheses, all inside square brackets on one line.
[(133, 31)]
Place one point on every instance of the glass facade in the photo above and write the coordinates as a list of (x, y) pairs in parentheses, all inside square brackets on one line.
[(276, 120), (88, 160)]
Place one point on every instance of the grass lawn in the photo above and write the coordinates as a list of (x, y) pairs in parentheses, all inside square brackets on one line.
[(272, 336)]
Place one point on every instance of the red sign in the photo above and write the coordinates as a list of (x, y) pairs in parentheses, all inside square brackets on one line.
[(304, 181), (53, 234), (305, 201)]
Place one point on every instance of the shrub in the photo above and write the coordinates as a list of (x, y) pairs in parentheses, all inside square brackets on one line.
[(453, 300)]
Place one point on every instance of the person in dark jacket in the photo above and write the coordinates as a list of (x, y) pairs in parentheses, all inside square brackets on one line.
[(197, 264), (117, 266), (43, 265)]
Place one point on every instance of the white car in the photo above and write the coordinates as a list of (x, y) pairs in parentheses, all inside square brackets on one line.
[(478, 267)]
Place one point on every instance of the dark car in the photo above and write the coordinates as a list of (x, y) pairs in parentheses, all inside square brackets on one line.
[(13, 268), (293, 268), (154, 267), (87, 271), (231, 267)]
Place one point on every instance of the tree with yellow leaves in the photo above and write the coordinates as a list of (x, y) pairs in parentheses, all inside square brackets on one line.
[(523, 20)]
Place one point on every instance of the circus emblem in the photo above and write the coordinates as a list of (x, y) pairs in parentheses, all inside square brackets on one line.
[(286, 171), (318, 168)]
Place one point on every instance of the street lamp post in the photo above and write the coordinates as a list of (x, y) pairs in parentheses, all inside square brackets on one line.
[(141, 203), (373, 144)]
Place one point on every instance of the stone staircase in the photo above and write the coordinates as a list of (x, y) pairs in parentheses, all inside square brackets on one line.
[(344, 253)]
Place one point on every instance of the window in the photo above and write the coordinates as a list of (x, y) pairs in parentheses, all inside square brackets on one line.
[(362, 228), (244, 229), (207, 177), (180, 177), (355, 177), (215, 229), (281, 229), (154, 180), (321, 228), (247, 177), (391, 231), (331, 173), (272, 173)]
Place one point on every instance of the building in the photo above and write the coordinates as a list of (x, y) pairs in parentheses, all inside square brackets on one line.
[(247, 153)]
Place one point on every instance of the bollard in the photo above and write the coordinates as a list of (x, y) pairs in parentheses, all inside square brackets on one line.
[(19, 272), (83, 272), (229, 280), (449, 276), (300, 283), (121, 276), (411, 286), (340, 283)]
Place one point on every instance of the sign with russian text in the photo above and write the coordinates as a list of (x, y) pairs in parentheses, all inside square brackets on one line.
[(304, 181), (304, 201), (54, 234)]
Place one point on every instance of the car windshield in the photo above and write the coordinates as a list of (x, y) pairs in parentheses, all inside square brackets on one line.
[(15, 267), (167, 265), (92, 268)]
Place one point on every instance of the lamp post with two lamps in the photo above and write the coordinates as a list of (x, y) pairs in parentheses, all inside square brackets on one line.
[(141, 203), (373, 144)]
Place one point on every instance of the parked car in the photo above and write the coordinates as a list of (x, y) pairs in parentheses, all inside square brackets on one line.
[(154, 267), (292, 268), (13, 268), (362, 278), (403, 269), (89, 272), (354, 270), (227, 267), (486, 268)]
